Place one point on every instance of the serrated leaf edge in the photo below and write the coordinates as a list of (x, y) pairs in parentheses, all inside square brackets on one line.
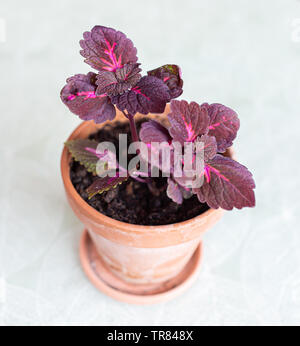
[(106, 189), (89, 169)]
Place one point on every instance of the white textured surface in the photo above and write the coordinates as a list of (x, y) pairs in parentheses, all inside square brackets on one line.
[(245, 54)]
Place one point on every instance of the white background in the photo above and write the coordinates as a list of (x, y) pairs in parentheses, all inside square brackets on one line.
[(244, 54)]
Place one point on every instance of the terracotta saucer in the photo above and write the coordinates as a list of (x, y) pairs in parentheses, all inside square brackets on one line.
[(111, 285)]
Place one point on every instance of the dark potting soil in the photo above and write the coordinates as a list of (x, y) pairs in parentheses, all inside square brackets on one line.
[(132, 201)]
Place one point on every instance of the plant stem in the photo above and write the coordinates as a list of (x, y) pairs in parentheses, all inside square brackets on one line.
[(135, 137)]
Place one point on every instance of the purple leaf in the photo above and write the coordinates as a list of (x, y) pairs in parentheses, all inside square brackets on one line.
[(174, 191), (224, 124), (187, 121), (152, 131), (104, 184), (79, 95), (227, 184), (107, 49), (150, 95), (114, 83), (208, 146), (171, 76)]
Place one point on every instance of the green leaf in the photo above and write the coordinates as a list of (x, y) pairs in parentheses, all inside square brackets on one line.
[(79, 152), (104, 184)]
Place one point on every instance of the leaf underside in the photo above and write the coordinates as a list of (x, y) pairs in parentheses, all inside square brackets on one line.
[(171, 76), (153, 131), (77, 149), (101, 185), (174, 191)]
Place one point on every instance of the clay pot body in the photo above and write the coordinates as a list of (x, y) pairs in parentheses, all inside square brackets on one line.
[(136, 254)]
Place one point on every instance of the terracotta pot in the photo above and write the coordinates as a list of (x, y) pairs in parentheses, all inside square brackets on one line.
[(139, 255)]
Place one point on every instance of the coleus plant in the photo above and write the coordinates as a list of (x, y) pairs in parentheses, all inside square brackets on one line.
[(226, 182), (118, 81), (119, 84)]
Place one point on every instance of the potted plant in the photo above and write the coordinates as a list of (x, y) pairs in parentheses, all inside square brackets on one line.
[(144, 220)]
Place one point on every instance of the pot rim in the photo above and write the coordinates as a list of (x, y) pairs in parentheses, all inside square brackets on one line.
[(97, 216)]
